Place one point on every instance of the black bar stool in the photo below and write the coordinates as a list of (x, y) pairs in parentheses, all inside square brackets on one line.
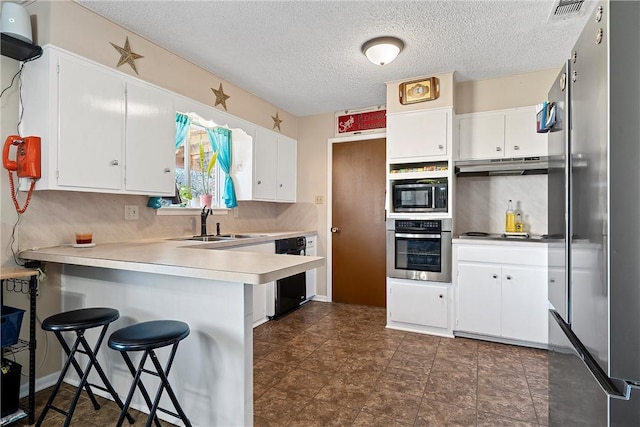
[(79, 321), (147, 337)]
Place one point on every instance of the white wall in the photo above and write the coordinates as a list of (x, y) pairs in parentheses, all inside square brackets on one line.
[(481, 202)]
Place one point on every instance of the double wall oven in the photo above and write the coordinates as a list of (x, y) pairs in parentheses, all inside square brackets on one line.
[(419, 249)]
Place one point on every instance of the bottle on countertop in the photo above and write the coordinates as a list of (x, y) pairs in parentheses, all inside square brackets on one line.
[(510, 224), (519, 226)]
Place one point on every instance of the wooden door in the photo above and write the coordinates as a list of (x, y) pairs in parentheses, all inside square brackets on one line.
[(359, 246)]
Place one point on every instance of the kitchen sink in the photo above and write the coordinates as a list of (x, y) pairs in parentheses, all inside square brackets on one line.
[(218, 238), (241, 236)]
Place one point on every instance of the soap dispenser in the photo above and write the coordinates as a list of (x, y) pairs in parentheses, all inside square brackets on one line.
[(510, 224)]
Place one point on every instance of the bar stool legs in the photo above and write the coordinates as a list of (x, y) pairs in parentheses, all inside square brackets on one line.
[(147, 337), (78, 321)]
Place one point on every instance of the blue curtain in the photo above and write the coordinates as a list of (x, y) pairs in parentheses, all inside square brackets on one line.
[(220, 140), (182, 127)]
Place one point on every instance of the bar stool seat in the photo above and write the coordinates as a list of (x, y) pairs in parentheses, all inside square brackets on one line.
[(79, 321), (147, 337), (86, 318)]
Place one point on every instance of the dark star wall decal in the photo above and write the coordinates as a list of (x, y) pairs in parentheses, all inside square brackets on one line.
[(221, 97), (276, 121), (126, 55)]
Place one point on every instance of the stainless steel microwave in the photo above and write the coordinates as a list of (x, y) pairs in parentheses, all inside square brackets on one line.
[(420, 195)]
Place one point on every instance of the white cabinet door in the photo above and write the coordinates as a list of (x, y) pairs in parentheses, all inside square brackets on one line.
[(417, 134), (479, 299), (150, 140), (482, 136), (263, 295), (418, 304), (522, 140), (524, 304), (311, 274), (266, 163), (287, 169), (91, 114)]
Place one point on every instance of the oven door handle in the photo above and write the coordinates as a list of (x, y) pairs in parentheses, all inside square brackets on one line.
[(419, 236)]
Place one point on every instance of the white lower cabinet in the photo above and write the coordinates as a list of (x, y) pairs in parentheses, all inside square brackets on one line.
[(263, 295), (498, 295), (311, 274), (419, 306)]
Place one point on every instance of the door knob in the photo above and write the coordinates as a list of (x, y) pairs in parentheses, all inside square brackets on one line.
[(335, 229)]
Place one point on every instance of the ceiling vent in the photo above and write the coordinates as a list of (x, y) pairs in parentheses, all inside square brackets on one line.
[(565, 9)]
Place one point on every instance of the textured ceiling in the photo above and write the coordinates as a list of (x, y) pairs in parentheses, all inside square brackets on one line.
[(304, 56)]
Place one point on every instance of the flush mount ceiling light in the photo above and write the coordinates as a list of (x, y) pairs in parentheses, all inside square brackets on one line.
[(382, 50)]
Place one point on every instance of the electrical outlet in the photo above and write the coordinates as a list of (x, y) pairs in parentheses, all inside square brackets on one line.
[(319, 200), (131, 212)]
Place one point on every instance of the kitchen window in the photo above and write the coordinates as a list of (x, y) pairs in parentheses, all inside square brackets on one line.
[(191, 158)]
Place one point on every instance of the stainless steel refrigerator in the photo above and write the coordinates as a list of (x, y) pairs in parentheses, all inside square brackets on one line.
[(594, 217)]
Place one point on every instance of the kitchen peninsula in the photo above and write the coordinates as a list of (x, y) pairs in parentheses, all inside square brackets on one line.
[(197, 282)]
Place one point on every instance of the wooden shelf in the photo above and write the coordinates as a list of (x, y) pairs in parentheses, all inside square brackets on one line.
[(18, 49)]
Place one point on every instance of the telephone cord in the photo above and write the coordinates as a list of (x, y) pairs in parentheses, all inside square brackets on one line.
[(14, 198)]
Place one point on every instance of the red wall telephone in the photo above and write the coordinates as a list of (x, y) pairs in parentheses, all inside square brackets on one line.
[(26, 164)]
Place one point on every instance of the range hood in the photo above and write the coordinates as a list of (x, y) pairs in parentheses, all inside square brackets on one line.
[(492, 167)]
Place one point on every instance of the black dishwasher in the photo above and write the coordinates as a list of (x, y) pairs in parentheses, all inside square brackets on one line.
[(290, 291)]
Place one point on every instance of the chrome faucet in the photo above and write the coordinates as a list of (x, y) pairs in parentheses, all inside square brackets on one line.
[(203, 220)]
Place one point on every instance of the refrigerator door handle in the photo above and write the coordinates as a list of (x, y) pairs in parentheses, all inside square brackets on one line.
[(613, 387)]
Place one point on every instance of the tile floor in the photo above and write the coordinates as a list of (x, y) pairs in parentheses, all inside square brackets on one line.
[(329, 364), (337, 365), (84, 415)]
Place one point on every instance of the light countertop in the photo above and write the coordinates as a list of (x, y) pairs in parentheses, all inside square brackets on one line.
[(186, 258)]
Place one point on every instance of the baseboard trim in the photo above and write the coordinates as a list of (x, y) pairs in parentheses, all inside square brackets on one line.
[(321, 298), (41, 383)]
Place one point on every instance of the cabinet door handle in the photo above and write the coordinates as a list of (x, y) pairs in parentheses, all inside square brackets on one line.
[(498, 148), (495, 276), (441, 296), (259, 182), (440, 146), (280, 185), (114, 163), (516, 147), (167, 170), (508, 277), (552, 281)]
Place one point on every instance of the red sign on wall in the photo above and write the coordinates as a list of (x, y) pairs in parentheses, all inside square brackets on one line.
[(359, 122)]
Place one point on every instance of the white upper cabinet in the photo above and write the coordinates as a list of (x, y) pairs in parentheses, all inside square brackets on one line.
[(522, 140), (266, 164), (500, 134), (419, 135), (265, 167), (91, 120), (99, 127), (287, 169), (150, 134), (482, 136)]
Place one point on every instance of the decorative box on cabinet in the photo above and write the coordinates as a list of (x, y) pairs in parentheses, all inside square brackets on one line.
[(419, 306), (416, 136), (500, 134), (101, 130), (502, 292)]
